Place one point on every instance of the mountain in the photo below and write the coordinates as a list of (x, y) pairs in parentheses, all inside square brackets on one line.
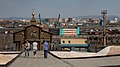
[(16, 18), (88, 16), (110, 17)]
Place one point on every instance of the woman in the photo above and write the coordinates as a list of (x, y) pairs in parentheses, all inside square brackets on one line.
[(27, 48), (35, 48)]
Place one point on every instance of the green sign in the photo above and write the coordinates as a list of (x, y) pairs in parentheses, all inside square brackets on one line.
[(61, 32)]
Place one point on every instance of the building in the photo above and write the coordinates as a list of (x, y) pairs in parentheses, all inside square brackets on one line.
[(69, 31), (73, 43), (31, 33)]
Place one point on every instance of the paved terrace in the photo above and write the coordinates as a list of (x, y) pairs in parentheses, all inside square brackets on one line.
[(6, 57), (108, 51), (51, 61), (39, 61)]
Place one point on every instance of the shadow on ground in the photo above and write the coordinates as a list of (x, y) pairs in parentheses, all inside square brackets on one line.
[(111, 66), (30, 57)]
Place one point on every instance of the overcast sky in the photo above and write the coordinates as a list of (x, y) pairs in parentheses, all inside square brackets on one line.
[(52, 8)]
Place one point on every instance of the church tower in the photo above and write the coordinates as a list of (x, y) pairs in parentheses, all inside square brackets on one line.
[(33, 20)]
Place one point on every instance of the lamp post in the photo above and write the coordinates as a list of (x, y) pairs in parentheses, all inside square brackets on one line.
[(6, 39), (103, 13)]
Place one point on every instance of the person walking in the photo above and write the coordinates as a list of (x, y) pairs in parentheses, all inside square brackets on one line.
[(45, 49), (27, 48), (35, 48)]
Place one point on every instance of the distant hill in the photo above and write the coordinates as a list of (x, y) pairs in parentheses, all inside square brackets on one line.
[(16, 18), (88, 16), (110, 17)]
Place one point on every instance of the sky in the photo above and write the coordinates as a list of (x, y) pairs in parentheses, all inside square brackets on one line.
[(52, 8)]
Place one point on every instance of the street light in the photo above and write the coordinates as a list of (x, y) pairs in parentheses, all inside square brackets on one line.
[(104, 12)]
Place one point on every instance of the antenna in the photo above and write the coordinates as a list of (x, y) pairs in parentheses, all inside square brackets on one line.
[(40, 19), (58, 19)]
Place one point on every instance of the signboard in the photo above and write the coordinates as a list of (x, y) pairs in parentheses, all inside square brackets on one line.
[(70, 32)]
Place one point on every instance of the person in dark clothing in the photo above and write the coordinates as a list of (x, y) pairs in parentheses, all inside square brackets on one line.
[(45, 49), (27, 48)]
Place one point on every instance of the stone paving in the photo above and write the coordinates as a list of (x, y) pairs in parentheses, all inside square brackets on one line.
[(4, 59), (39, 61), (73, 54), (110, 50), (8, 56), (51, 61), (113, 61)]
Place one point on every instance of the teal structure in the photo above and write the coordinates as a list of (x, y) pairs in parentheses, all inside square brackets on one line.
[(61, 32), (73, 46)]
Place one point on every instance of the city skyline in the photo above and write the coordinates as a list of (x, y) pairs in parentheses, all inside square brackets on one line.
[(52, 8)]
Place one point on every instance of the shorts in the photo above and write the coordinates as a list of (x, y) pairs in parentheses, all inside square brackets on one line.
[(34, 51)]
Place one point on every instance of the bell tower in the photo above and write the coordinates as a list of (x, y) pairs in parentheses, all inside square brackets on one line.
[(33, 20)]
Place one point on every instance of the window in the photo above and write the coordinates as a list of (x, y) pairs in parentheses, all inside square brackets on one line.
[(63, 41), (33, 34), (68, 41)]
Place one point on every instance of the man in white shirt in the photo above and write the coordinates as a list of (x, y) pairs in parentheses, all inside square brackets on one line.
[(35, 48)]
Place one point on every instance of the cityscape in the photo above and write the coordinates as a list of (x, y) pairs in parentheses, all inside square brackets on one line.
[(88, 27), (73, 39)]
